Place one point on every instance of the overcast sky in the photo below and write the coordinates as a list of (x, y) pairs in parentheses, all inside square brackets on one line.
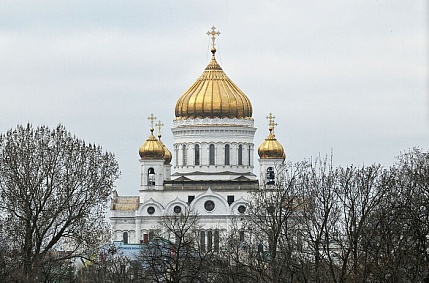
[(349, 77)]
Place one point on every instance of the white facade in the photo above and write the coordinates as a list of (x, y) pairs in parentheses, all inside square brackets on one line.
[(217, 190), (212, 160)]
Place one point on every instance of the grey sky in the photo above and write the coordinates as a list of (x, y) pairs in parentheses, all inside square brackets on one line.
[(351, 76)]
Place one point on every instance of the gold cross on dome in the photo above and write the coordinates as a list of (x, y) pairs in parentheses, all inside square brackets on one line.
[(271, 123), (159, 125), (151, 118), (213, 34), (270, 118)]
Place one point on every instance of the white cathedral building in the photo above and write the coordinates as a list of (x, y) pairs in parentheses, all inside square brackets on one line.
[(213, 163)]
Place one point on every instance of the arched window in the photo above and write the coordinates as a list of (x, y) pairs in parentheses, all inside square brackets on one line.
[(270, 176), (184, 154), (240, 155), (176, 149), (212, 154), (151, 177), (227, 154), (197, 154), (125, 237)]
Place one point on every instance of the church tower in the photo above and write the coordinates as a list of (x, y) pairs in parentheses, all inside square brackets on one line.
[(155, 160), (271, 155)]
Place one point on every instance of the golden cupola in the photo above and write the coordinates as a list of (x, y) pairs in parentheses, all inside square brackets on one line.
[(270, 147), (213, 95), (167, 154), (152, 149)]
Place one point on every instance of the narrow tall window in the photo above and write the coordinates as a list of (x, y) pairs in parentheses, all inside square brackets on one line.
[(197, 154), (216, 240), (249, 153), (203, 241), (184, 154), (151, 177), (270, 176), (212, 154), (227, 154), (240, 155), (176, 149), (209, 241), (125, 237)]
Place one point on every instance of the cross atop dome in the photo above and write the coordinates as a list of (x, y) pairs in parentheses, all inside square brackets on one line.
[(151, 118), (159, 125), (271, 123), (213, 33)]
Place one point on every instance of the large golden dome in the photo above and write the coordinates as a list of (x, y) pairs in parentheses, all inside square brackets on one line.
[(213, 95), (152, 149), (270, 147)]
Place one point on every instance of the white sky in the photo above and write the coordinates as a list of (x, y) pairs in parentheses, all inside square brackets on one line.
[(346, 76)]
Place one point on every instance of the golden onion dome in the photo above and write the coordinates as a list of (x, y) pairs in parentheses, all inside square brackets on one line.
[(152, 148), (271, 148), (167, 154), (213, 95)]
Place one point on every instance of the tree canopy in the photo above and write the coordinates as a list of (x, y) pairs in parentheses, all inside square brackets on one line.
[(53, 193)]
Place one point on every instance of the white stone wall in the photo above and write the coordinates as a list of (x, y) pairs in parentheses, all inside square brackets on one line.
[(140, 222), (218, 132)]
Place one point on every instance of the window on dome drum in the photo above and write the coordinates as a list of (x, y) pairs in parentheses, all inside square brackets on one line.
[(184, 154), (240, 155), (227, 154), (270, 176), (230, 199), (212, 154), (249, 153), (151, 177), (197, 154), (125, 237)]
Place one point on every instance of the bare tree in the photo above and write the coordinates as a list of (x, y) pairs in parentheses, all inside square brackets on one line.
[(176, 255), (53, 194), (273, 224), (109, 266), (403, 235), (360, 192), (319, 221)]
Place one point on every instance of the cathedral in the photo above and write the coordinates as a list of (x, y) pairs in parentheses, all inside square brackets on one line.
[(213, 162)]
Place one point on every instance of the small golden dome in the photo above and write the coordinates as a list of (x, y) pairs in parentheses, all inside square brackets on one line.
[(167, 154), (213, 95), (270, 147), (152, 149)]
